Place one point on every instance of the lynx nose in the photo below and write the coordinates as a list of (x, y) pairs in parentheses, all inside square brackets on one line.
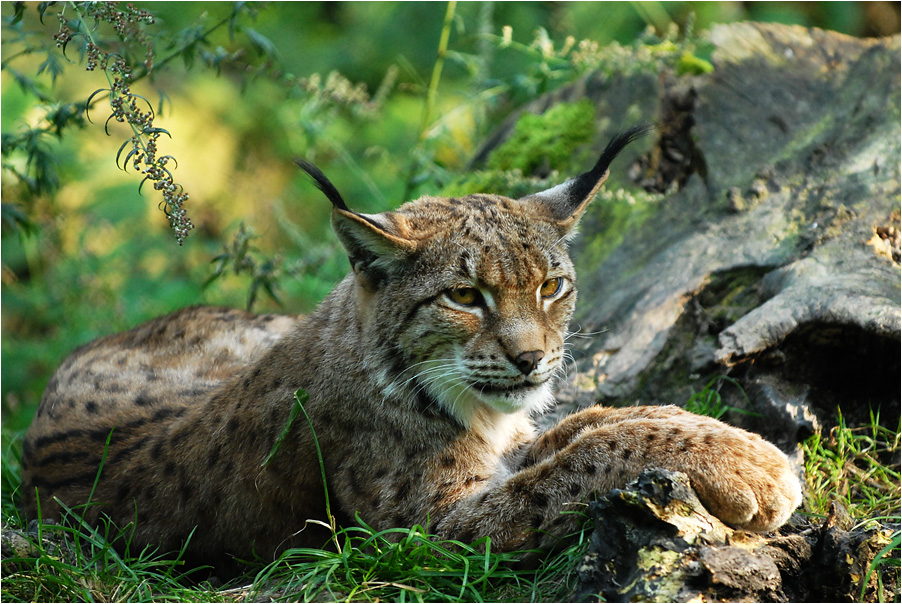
[(526, 362)]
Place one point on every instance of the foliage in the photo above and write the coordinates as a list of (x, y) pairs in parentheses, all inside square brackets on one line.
[(145, 136), (394, 565), (243, 258), (709, 402), (857, 465), (71, 561), (113, 52), (74, 562), (889, 556)]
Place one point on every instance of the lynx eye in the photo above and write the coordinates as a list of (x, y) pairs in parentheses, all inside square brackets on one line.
[(465, 296), (551, 287)]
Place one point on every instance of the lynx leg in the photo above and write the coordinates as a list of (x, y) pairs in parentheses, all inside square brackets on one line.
[(564, 432), (741, 478)]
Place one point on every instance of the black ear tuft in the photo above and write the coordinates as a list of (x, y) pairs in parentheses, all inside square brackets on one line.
[(618, 143), (566, 202), (375, 242), (583, 184), (323, 184)]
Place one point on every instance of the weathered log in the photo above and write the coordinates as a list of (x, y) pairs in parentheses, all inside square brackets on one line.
[(771, 259)]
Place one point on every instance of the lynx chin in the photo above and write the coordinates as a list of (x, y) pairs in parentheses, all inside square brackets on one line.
[(424, 368)]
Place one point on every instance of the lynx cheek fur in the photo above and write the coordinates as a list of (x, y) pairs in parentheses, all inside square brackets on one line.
[(423, 368)]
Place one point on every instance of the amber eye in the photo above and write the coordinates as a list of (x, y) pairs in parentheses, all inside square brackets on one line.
[(551, 287), (465, 296)]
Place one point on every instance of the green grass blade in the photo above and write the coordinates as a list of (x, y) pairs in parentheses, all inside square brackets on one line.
[(280, 440)]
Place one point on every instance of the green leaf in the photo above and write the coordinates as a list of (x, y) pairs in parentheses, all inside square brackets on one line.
[(261, 43), (300, 398), (51, 65), (15, 218)]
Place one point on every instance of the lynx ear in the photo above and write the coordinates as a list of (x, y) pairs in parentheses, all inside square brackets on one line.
[(567, 202), (374, 242)]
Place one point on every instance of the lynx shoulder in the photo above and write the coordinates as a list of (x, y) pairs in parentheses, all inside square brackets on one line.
[(422, 372)]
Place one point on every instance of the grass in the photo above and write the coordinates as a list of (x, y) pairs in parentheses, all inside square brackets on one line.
[(74, 562), (889, 556), (401, 565), (858, 466), (708, 401)]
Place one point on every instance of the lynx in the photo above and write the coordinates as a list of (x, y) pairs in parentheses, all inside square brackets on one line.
[(421, 375)]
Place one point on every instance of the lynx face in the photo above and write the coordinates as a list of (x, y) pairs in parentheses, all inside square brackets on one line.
[(468, 298), (484, 323)]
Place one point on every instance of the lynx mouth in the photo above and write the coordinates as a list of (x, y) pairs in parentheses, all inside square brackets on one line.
[(513, 398), (514, 389), (462, 395)]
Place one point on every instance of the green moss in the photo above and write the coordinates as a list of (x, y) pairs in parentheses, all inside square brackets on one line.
[(509, 183), (546, 141), (730, 295)]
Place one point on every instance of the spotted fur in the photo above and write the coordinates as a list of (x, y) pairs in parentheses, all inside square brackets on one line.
[(424, 368)]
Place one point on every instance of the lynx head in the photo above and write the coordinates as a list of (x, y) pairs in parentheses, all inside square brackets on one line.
[(463, 303)]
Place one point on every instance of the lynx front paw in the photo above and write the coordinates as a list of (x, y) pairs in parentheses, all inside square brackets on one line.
[(742, 479)]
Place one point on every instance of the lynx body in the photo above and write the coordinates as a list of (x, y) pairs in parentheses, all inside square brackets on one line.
[(423, 368)]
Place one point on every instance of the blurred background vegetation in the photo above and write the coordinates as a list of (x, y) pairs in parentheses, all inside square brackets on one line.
[(390, 99)]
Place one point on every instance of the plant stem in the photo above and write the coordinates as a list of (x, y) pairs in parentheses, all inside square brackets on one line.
[(431, 91), (138, 134), (437, 70)]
